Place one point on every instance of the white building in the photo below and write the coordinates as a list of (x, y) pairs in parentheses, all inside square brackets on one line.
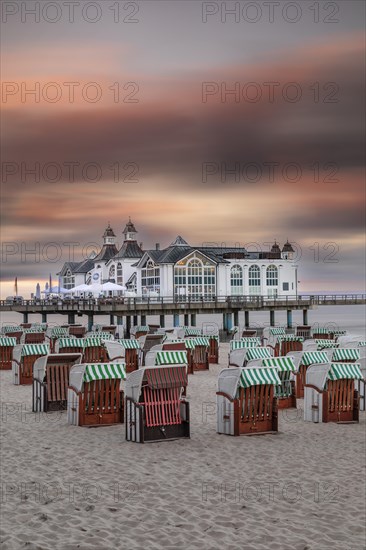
[(182, 271)]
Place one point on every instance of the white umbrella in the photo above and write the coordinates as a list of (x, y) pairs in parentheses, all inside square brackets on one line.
[(95, 288), (80, 288), (130, 294), (113, 286)]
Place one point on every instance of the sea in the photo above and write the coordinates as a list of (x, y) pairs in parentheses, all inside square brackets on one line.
[(350, 318)]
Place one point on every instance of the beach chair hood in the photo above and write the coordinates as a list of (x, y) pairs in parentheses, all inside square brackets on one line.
[(87, 372), (40, 364), (168, 376), (317, 375)]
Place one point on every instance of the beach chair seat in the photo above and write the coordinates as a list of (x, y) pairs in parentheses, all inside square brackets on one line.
[(155, 407), (330, 394), (24, 357), (51, 381), (246, 402), (7, 344), (33, 337), (95, 396), (77, 331)]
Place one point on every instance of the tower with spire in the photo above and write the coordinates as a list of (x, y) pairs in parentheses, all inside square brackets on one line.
[(130, 231)]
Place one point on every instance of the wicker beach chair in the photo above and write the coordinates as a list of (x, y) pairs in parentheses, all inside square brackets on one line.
[(127, 350), (199, 349), (285, 392), (155, 407), (24, 357), (241, 354), (147, 342), (31, 336), (94, 350), (7, 345), (329, 393), (53, 333), (246, 402), (303, 360), (139, 330), (345, 355), (77, 330), (51, 380), (304, 331), (95, 397), (180, 345)]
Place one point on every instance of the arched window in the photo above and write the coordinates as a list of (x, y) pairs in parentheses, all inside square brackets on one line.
[(119, 274), (194, 278), (150, 277), (272, 276), (254, 280), (236, 280), (112, 274)]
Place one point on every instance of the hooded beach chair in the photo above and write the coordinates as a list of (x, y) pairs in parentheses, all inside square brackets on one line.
[(112, 329), (180, 345), (77, 330), (139, 330), (33, 336), (147, 342), (329, 393), (13, 332), (24, 357), (246, 402), (286, 344), (285, 392), (51, 381), (94, 350), (304, 331), (271, 334), (53, 333), (155, 407), (302, 361), (198, 347), (345, 355), (239, 356), (248, 333), (95, 396), (213, 348), (128, 350), (69, 344), (7, 345)]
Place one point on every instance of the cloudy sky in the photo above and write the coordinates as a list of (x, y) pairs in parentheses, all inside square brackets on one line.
[(239, 127)]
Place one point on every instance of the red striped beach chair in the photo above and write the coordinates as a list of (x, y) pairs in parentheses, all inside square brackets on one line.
[(246, 401), (95, 396), (51, 381), (155, 407)]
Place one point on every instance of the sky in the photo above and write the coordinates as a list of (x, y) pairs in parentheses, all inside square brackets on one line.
[(236, 128)]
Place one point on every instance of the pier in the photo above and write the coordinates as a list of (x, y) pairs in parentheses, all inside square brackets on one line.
[(184, 311)]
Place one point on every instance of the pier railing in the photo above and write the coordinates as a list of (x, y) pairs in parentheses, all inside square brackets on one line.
[(262, 302)]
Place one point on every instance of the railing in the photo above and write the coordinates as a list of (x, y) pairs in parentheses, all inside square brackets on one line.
[(234, 301)]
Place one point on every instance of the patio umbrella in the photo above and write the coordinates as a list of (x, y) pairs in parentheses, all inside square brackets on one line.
[(80, 288), (113, 286)]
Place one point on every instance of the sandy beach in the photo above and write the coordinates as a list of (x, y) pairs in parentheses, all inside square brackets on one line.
[(66, 488)]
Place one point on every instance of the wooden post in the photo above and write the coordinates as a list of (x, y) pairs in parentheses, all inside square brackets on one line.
[(272, 318), (135, 320), (128, 326), (229, 321), (246, 317), (90, 321), (236, 318), (186, 319), (119, 320), (162, 321), (304, 316), (289, 318), (25, 317), (143, 320), (224, 321), (111, 319), (71, 318), (44, 317), (176, 320), (193, 319)]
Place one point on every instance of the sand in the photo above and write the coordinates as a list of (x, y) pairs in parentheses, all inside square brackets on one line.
[(65, 487)]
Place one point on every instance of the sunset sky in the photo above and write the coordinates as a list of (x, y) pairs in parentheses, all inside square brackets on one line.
[(157, 138)]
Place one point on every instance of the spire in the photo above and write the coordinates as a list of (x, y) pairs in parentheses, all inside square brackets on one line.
[(130, 231), (179, 241)]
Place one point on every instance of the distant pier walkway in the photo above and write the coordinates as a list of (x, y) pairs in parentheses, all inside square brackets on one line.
[(139, 308)]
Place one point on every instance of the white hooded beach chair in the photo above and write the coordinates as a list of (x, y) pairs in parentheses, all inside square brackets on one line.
[(285, 392), (302, 361), (155, 407), (240, 357), (345, 355), (128, 350), (198, 347), (7, 345), (246, 402), (95, 396), (69, 344), (330, 394), (51, 381), (24, 357)]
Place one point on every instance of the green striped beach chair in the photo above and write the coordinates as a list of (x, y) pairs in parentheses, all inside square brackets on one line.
[(302, 362), (7, 345), (199, 347), (345, 355), (24, 357), (330, 394), (95, 396), (246, 401), (286, 391)]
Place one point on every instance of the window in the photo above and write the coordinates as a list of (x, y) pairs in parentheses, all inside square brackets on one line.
[(112, 274), (150, 277), (119, 274), (195, 278), (69, 280), (285, 286), (254, 280), (236, 280), (272, 276)]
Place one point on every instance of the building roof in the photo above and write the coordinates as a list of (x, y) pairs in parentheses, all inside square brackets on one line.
[(85, 266), (129, 249), (130, 228), (275, 249), (108, 232), (108, 251), (179, 241), (287, 247)]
